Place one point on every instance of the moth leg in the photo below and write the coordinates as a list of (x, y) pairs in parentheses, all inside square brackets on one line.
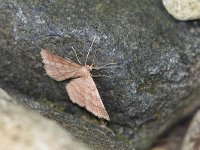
[(76, 55), (68, 59), (105, 66)]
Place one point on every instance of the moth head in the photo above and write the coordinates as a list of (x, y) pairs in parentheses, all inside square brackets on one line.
[(89, 67)]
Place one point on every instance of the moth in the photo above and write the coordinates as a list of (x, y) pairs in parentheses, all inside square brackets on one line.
[(81, 89)]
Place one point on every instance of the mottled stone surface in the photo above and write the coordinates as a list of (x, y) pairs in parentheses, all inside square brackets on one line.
[(21, 128), (96, 135), (158, 59), (183, 9)]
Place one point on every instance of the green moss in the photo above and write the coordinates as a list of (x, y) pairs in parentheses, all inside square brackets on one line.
[(123, 138), (50, 104), (99, 8), (148, 86), (45, 101)]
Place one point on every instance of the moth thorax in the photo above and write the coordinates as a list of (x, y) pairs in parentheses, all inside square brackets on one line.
[(84, 71), (89, 68)]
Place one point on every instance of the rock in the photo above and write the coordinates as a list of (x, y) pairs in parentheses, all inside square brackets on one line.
[(24, 129), (192, 138), (157, 76), (97, 136), (183, 9), (172, 139)]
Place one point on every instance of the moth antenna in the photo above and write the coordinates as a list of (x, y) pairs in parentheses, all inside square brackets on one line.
[(89, 50), (105, 66), (76, 55)]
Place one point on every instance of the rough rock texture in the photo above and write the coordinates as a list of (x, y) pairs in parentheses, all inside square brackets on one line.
[(158, 59), (98, 137), (183, 9), (21, 128)]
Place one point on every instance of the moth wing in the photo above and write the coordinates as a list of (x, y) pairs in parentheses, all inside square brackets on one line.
[(57, 67), (83, 91)]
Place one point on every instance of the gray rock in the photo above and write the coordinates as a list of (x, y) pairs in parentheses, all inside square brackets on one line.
[(158, 59), (24, 129), (183, 9)]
